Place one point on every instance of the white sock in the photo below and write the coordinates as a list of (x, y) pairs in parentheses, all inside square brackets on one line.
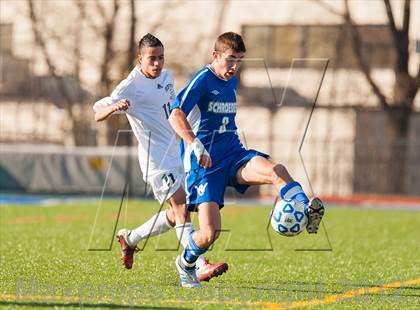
[(183, 232), (156, 225)]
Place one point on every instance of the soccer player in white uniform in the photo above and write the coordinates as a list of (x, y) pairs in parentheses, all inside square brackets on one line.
[(144, 97), (203, 114)]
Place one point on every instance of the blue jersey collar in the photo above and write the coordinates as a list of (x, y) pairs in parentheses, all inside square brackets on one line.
[(212, 71)]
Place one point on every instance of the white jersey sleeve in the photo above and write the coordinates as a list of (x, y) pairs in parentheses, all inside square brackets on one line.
[(124, 90)]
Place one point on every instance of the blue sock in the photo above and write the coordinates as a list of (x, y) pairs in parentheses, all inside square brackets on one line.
[(293, 190), (191, 252)]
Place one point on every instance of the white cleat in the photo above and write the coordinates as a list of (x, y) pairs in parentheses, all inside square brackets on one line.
[(188, 277), (315, 212)]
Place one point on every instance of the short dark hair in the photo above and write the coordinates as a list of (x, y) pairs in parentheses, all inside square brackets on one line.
[(230, 40), (149, 40)]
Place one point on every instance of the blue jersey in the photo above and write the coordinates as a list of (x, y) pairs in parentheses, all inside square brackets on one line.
[(209, 103)]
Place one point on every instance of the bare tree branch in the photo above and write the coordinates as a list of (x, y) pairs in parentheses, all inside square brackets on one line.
[(405, 87), (406, 16), (109, 52), (357, 49), (51, 67), (62, 89), (403, 43), (391, 21), (400, 36), (220, 17), (81, 5), (77, 54), (404, 91), (165, 8), (218, 22), (328, 8), (132, 40), (100, 9)]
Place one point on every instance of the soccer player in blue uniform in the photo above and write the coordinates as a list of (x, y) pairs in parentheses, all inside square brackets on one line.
[(203, 115)]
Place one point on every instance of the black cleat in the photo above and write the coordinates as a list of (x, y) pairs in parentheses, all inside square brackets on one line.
[(315, 212)]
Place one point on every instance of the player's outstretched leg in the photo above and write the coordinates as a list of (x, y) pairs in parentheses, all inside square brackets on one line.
[(127, 251), (315, 212), (260, 170), (314, 209)]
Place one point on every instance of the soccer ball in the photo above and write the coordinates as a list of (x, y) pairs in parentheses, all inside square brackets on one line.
[(288, 217)]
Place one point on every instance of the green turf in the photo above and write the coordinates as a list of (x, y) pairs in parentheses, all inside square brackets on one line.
[(44, 253)]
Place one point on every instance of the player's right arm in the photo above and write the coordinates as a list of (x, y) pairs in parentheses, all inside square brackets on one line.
[(180, 124), (186, 100), (102, 113)]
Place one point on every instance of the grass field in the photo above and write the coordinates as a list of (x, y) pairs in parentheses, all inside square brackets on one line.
[(373, 261)]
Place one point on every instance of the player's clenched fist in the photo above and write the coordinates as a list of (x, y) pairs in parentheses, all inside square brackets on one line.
[(122, 105), (201, 153), (205, 161)]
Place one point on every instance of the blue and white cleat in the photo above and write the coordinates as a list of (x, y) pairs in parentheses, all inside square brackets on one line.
[(188, 277), (315, 212)]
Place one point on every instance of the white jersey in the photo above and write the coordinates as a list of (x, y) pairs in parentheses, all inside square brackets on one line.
[(147, 115)]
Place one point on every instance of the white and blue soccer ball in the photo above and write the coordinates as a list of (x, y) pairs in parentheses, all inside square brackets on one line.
[(288, 217)]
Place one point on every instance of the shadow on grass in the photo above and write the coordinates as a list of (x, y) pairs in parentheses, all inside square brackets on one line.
[(80, 305)]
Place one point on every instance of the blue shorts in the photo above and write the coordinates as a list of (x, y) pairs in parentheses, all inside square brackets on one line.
[(205, 185)]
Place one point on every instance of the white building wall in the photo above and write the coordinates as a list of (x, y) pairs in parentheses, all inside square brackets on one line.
[(327, 151)]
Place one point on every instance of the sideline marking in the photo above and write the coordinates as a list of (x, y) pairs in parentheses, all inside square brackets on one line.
[(329, 299)]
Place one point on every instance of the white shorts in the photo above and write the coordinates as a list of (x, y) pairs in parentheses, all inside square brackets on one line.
[(164, 184)]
